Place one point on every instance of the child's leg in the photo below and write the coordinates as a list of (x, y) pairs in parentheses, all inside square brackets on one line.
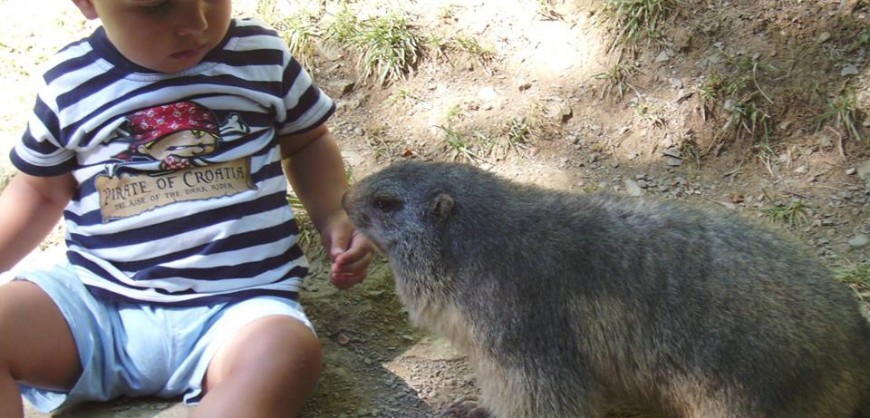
[(268, 369), (36, 347)]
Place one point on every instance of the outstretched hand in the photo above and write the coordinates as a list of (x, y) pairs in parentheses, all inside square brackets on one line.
[(348, 249)]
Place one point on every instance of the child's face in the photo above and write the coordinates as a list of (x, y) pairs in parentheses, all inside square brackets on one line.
[(162, 35)]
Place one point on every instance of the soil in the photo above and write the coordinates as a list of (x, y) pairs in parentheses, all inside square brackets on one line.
[(541, 108)]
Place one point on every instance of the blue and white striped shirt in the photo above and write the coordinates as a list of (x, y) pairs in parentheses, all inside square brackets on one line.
[(181, 195)]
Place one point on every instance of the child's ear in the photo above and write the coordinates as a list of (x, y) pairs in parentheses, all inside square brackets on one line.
[(87, 8)]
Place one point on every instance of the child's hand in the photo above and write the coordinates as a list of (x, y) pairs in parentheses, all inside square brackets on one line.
[(349, 250)]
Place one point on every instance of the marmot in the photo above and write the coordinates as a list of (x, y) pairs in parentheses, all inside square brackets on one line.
[(565, 302)]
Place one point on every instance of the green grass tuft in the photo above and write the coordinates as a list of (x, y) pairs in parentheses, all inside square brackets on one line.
[(793, 214), (843, 111), (638, 20), (857, 275), (388, 46)]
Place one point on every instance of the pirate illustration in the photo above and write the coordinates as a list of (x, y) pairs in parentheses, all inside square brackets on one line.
[(167, 156), (173, 137)]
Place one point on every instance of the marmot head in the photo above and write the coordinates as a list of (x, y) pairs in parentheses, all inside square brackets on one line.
[(402, 206)]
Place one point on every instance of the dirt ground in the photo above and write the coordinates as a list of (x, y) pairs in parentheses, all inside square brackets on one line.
[(542, 105)]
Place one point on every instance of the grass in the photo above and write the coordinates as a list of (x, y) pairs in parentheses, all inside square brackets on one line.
[(843, 111), (857, 275), (690, 151), (735, 89), (547, 11), (768, 157), (792, 214), (401, 95), (708, 93), (458, 147), (447, 12), (616, 78), (300, 31), (746, 120), (389, 47), (638, 20), (483, 54), (518, 134), (474, 47), (653, 114), (266, 8), (519, 131)]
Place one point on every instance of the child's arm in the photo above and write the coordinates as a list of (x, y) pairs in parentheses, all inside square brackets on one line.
[(29, 208), (313, 164)]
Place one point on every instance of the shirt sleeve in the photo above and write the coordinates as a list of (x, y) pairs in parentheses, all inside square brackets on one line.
[(39, 152), (306, 106)]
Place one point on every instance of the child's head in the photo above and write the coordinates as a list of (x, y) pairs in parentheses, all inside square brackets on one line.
[(161, 35)]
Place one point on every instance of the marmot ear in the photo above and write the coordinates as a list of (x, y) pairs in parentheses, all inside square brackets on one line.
[(442, 206)]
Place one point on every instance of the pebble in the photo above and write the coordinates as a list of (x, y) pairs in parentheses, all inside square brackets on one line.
[(859, 241), (863, 170), (673, 162), (824, 37), (633, 188), (848, 70)]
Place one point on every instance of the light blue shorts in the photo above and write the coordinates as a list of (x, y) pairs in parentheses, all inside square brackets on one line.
[(130, 349)]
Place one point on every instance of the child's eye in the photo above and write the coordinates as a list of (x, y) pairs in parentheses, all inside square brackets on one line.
[(156, 6)]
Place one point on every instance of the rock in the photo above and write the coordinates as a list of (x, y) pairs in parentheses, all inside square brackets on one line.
[(863, 171), (632, 188), (348, 105), (823, 37), (340, 86), (673, 162), (859, 241), (565, 113), (663, 56), (673, 152), (850, 69)]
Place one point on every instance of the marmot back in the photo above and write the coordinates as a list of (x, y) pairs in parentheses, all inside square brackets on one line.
[(565, 302)]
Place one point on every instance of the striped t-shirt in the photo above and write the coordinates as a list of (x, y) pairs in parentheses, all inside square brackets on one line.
[(181, 197)]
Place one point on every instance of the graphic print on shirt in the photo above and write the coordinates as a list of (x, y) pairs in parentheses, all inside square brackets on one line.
[(166, 160)]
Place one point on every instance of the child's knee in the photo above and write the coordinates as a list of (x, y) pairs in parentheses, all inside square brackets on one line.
[(37, 345), (274, 347)]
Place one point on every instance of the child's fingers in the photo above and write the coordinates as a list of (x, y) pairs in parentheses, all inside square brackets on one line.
[(352, 262)]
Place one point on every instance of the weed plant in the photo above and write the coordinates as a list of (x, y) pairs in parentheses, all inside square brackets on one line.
[(843, 110), (300, 32), (458, 146), (735, 89), (638, 20), (388, 46), (616, 78), (793, 214), (857, 275)]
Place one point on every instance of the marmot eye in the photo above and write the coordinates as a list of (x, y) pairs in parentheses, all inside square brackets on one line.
[(387, 204)]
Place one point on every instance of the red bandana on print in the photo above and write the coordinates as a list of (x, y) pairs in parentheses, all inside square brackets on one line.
[(154, 123)]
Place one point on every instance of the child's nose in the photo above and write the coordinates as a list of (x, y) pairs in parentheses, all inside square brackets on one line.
[(191, 19)]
